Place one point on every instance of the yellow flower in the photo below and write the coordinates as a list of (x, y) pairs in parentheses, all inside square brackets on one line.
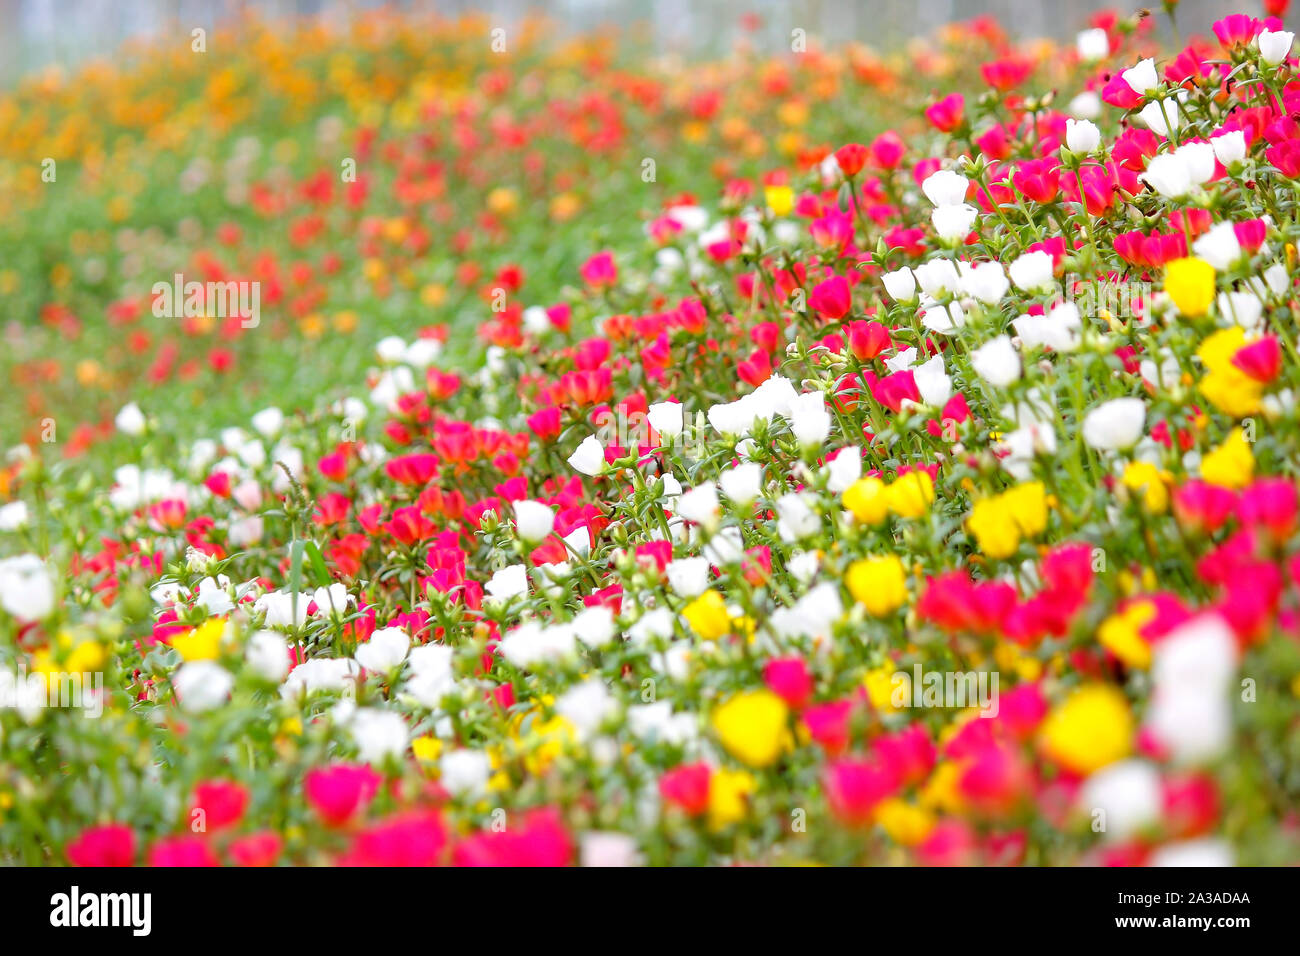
[(1190, 284), (942, 790), (86, 658), (1146, 478), (1121, 634), (1233, 392), (906, 823), (780, 199), (427, 748), (1010, 658), (910, 496), (994, 526), (867, 500), (708, 615), (729, 793), (880, 584), (1028, 505), (1090, 729), (1231, 465), (549, 739), (752, 727), (880, 687), (202, 643)]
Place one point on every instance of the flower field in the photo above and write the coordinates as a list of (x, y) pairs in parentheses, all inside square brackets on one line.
[(431, 443)]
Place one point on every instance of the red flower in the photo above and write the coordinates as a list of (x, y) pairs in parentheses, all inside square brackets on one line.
[(221, 803), (687, 787), (1286, 157), (831, 299), (257, 849), (789, 679), (182, 851), (851, 158), (540, 841), (867, 339), (1038, 179), (417, 839), (1261, 360), (110, 845), (947, 114), (600, 270), (855, 787), (339, 791)]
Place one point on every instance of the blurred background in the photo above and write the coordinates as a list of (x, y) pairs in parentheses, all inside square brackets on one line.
[(39, 33)]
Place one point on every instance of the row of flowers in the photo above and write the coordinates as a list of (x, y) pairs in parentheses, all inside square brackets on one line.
[(849, 524)]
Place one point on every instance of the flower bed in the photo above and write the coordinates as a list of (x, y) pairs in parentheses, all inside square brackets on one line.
[(930, 499)]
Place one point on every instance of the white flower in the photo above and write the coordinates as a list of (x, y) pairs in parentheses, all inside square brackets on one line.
[(688, 577), (465, 771), (954, 222), (321, 673), (589, 457), (944, 318), (943, 187), (379, 734), (1162, 118), (1219, 246), (594, 625), (332, 601), (932, 382), (432, 677), (579, 541), (14, 516), (1192, 853), (508, 582), (996, 361), (987, 282), (1198, 160), (1082, 136), (1087, 105), (700, 504), (844, 469), (795, 517), (1274, 45), (742, 483), (1168, 174), (1243, 307), (533, 520), (130, 420), (268, 656), (1129, 795), (1059, 330), (1093, 45), (530, 644), (279, 608), (900, 284), (26, 588), (268, 422), (666, 419), (201, 685), (586, 706), (1230, 147), (386, 649), (1115, 424), (937, 277), (610, 849), (390, 348), (809, 419), (1032, 271), (1142, 78)]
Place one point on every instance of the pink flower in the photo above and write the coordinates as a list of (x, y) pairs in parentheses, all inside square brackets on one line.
[(110, 845), (339, 791)]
